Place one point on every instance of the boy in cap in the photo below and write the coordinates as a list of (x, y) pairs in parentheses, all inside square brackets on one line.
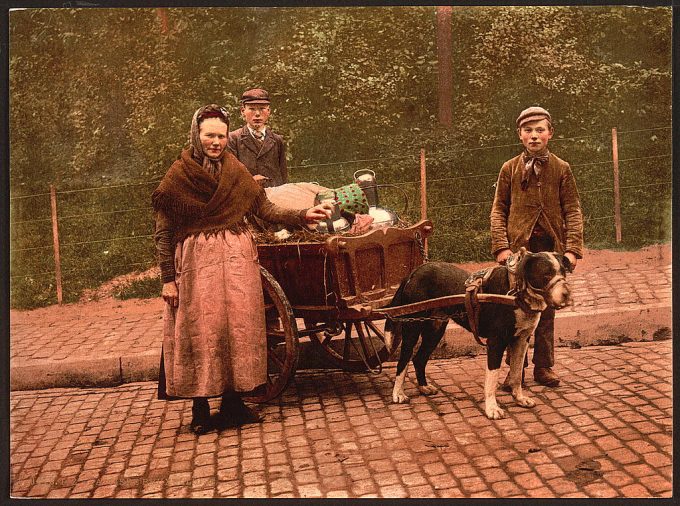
[(536, 206), (255, 145)]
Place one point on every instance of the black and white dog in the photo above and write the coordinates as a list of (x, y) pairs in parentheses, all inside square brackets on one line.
[(536, 279)]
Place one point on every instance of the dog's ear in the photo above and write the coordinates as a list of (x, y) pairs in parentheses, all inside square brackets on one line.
[(565, 263), (534, 302)]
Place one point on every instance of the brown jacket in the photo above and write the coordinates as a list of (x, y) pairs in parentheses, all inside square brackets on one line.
[(552, 202), (267, 159)]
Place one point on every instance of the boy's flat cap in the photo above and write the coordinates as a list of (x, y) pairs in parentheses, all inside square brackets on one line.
[(533, 114), (255, 96)]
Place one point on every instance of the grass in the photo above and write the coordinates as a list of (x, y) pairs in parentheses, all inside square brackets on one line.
[(146, 288)]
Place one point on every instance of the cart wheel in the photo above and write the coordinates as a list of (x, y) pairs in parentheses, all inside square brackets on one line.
[(282, 340), (365, 351)]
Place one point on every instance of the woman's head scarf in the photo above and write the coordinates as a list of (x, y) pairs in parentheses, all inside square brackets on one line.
[(212, 165)]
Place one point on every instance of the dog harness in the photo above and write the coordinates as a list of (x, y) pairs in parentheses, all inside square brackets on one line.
[(474, 284)]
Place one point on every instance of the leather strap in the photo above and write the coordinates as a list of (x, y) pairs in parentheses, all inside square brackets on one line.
[(472, 308)]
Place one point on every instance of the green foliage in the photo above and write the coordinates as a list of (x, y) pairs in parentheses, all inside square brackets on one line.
[(145, 288), (103, 97)]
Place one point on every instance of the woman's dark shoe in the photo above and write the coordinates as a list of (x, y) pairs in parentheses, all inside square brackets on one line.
[(200, 422), (234, 413)]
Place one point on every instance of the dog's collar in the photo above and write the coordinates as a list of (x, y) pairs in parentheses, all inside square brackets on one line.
[(520, 291), (546, 290)]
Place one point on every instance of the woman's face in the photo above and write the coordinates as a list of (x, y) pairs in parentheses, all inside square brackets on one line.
[(213, 135)]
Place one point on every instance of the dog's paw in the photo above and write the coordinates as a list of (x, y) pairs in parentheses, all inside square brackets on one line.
[(399, 398), (525, 402), (494, 413), (427, 390)]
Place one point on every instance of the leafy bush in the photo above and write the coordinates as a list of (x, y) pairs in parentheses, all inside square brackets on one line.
[(355, 85)]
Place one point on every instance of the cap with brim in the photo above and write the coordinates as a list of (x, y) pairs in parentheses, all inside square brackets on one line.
[(533, 114), (255, 96)]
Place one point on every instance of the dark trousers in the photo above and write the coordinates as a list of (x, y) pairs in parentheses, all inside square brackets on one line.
[(544, 340)]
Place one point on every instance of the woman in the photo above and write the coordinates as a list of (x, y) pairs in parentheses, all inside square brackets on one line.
[(214, 340)]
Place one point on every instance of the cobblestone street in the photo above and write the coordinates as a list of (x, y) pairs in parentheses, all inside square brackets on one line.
[(606, 431)]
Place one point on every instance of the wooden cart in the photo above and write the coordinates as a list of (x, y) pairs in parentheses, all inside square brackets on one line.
[(335, 293)]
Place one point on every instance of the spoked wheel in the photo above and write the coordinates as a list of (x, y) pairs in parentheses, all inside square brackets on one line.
[(356, 346), (282, 340)]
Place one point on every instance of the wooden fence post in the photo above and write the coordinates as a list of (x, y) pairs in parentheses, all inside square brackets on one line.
[(423, 190), (617, 195), (162, 13), (55, 238)]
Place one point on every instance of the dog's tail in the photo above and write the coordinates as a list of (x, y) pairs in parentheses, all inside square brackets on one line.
[(392, 327)]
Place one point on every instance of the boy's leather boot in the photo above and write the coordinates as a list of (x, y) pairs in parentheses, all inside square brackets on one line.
[(546, 376)]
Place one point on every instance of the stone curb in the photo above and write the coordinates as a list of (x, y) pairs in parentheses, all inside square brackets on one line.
[(583, 328), (106, 371), (574, 329)]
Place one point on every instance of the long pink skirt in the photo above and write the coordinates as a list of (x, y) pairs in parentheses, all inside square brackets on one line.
[(215, 340)]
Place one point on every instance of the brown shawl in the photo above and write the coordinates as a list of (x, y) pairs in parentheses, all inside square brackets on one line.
[(197, 202)]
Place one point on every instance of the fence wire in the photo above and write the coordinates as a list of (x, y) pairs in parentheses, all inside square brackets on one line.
[(61, 218), (436, 156), (61, 245), (149, 264)]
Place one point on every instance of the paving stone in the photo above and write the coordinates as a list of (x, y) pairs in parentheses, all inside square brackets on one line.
[(443, 481), (393, 491), (413, 479), (623, 456), (202, 482), (472, 485), (517, 467), (306, 491), (59, 493), (658, 487), (147, 457), (528, 481), (635, 490)]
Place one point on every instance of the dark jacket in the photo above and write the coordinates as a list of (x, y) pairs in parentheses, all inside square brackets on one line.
[(552, 202), (267, 159)]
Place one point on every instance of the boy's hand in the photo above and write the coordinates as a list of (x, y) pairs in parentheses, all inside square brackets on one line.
[(572, 259), (503, 255), (259, 178)]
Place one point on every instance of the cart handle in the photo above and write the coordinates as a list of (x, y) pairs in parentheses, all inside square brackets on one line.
[(440, 302)]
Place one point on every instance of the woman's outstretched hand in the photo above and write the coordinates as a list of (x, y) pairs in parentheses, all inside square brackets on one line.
[(319, 212)]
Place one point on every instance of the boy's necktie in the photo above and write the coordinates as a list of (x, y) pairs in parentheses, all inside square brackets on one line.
[(532, 163)]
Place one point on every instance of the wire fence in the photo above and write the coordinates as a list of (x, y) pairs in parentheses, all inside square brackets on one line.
[(451, 185)]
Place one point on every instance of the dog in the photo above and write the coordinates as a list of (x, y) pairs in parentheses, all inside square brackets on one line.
[(538, 280)]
